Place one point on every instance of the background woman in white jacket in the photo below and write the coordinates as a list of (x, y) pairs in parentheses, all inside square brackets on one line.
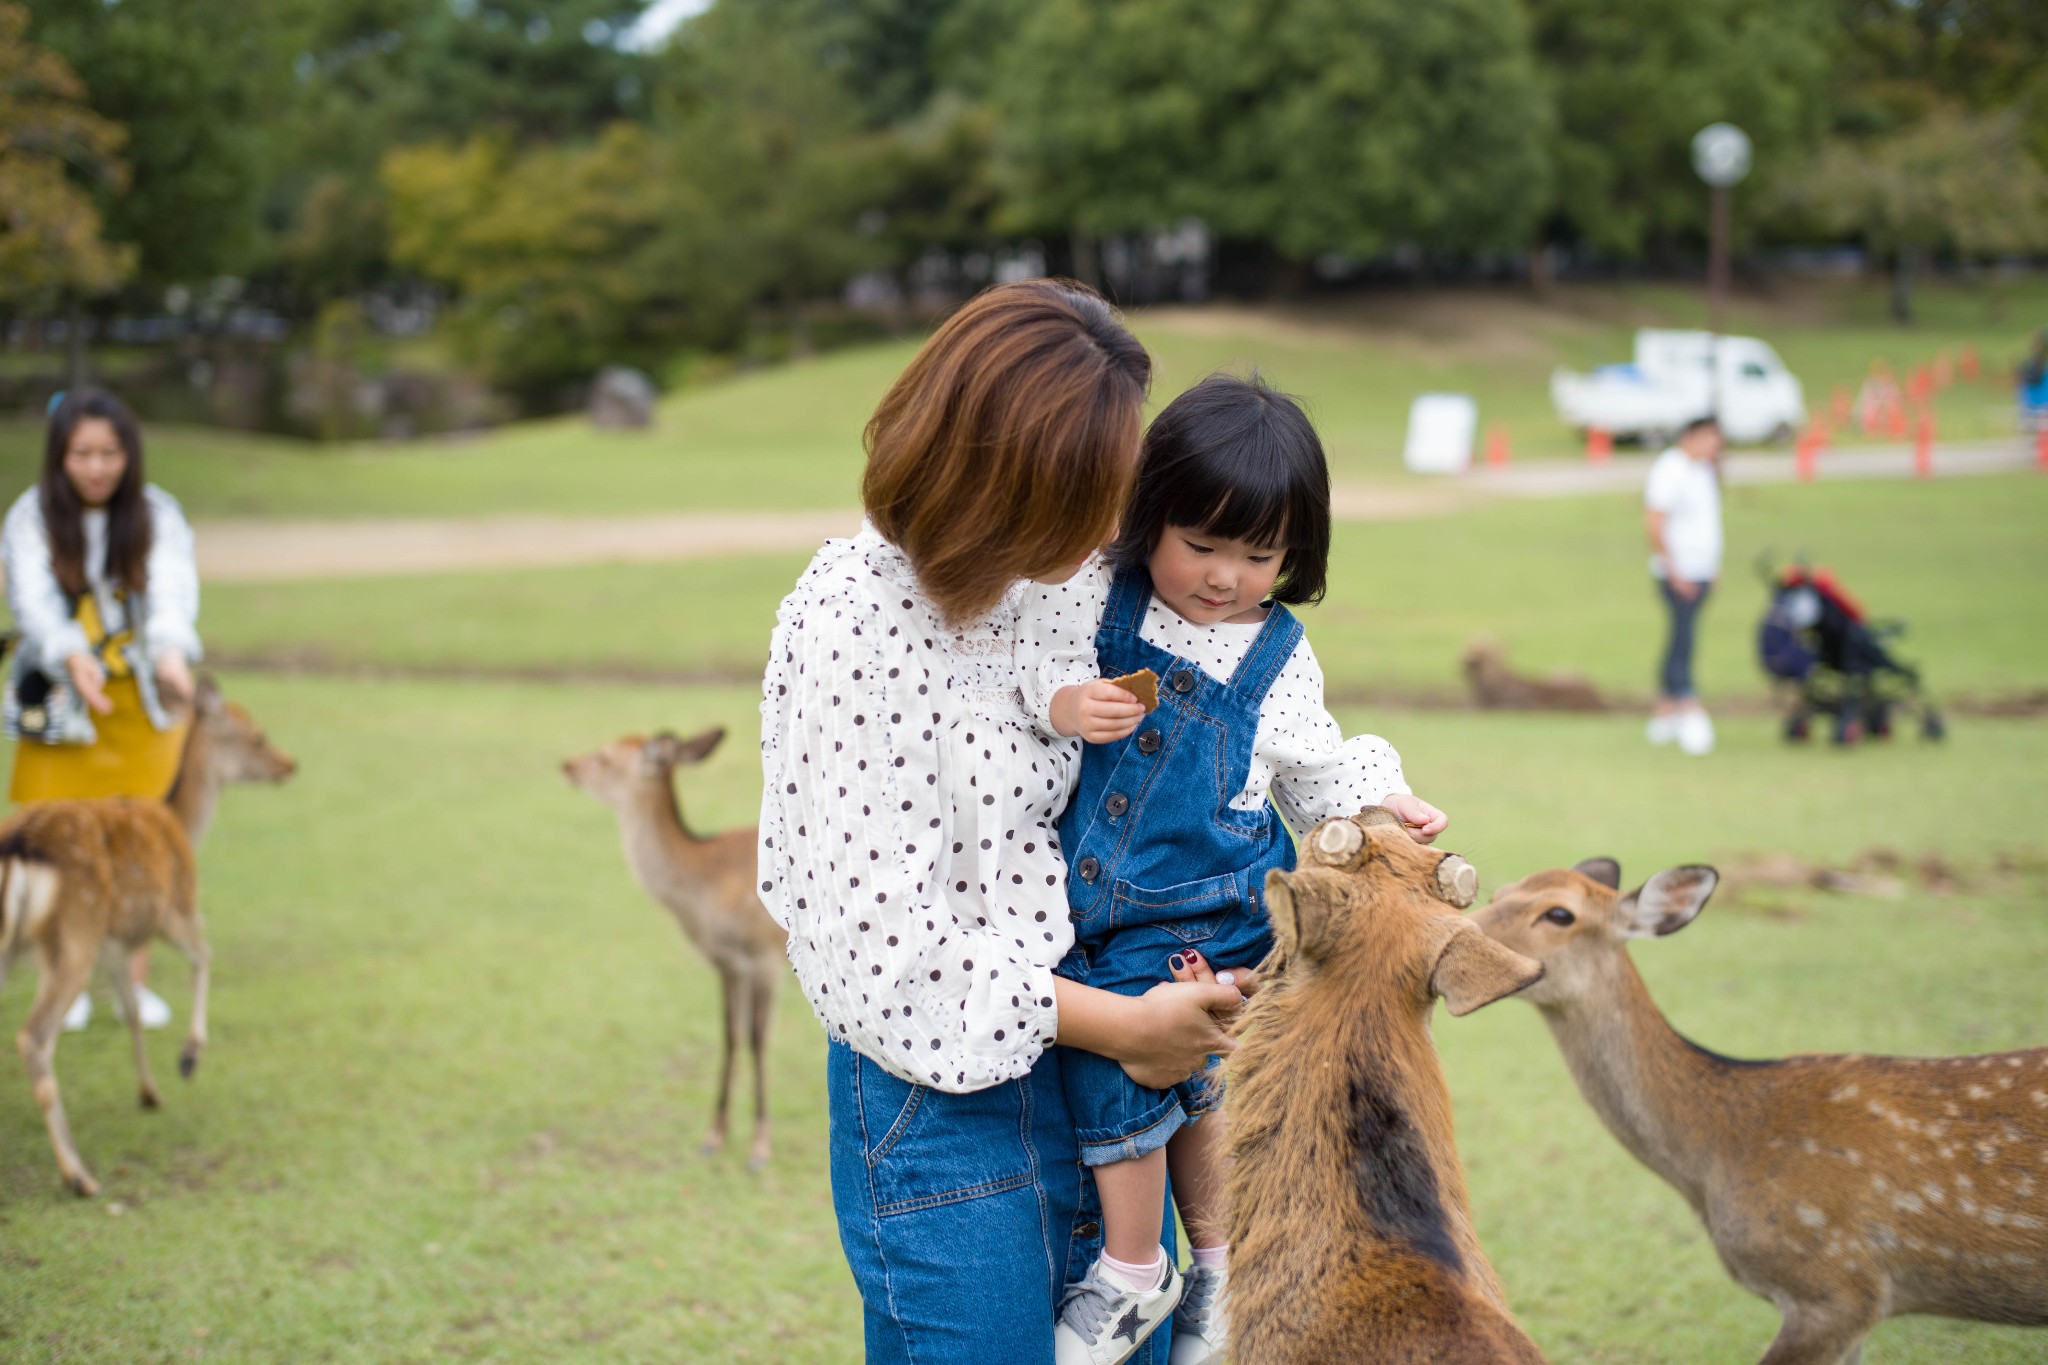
[(105, 595)]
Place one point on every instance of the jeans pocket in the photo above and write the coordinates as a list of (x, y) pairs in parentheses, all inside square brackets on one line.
[(926, 1147)]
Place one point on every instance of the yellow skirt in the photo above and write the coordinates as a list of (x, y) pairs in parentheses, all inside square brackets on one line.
[(131, 758)]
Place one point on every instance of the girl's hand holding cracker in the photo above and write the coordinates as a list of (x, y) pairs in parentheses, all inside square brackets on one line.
[(1099, 712), (1422, 820)]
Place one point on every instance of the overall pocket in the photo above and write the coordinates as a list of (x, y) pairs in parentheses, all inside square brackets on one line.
[(1190, 911), (926, 1147)]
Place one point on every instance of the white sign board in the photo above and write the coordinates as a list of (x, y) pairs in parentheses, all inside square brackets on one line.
[(1720, 154), (1440, 431)]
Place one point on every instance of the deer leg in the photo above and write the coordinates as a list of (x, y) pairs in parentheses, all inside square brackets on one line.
[(62, 979), (189, 937), (131, 1011), (729, 997), (762, 1003), (1821, 1334)]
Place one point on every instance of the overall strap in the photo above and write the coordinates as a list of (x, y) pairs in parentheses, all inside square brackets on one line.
[(1130, 597), (1268, 655)]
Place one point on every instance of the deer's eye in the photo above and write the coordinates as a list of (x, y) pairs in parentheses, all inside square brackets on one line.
[(1558, 915)]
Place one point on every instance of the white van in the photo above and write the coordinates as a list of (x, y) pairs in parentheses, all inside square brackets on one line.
[(1677, 376)]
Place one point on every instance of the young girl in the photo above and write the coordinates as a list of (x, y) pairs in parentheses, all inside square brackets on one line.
[(1170, 835)]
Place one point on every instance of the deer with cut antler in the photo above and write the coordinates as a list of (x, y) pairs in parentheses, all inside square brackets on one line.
[(1844, 1189), (1351, 1237), (708, 885), (89, 880)]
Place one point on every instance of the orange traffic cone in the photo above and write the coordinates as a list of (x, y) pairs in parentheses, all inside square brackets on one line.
[(1599, 444)]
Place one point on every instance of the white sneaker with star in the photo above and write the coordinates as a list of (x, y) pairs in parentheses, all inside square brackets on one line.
[(1201, 1329), (1103, 1323)]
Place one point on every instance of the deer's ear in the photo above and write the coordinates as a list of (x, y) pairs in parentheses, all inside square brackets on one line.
[(697, 748), (662, 749), (1605, 871), (1667, 902), (1473, 970), (1297, 922), (207, 701)]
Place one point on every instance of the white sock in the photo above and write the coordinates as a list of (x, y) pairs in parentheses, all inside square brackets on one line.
[(1138, 1279), (1213, 1258)]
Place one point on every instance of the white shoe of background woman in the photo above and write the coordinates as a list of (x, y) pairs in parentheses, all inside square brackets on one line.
[(80, 1013), (1695, 732), (1663, 728)]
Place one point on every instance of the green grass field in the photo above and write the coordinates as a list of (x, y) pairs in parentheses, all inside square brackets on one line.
[(790, 437), (1562, 585), (460, 1066)]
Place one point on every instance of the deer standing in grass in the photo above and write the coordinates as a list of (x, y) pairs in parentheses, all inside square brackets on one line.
[(86, 882), (1351, 1237), (708, 885), (1844, 1189)]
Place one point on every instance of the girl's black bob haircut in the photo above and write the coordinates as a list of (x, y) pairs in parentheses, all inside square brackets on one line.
[(1239, 460)]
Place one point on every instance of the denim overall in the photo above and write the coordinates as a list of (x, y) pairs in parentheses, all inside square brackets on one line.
[(1158, 861)]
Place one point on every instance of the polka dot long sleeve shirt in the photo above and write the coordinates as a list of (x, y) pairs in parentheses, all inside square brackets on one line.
[(907, 823), (1300, 756)]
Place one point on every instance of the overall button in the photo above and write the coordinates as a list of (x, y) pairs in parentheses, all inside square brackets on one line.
[(1148, 743), (1118, 803), (1089, 869), (1183, 681)]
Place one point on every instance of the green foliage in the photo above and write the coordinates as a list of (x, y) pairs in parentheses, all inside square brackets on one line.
[(1951, 180), (1633, 83), (559, 253), (50, 234), (1318, 126), (197, 87)]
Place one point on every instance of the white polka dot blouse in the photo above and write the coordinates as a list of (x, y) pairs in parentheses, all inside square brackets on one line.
[(1299, 756), (907, 823)]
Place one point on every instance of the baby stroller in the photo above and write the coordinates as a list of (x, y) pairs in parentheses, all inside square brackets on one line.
[(1815, 638)]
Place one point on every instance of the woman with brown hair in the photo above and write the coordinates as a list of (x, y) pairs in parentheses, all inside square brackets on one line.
[(105, 597), (908, 839)]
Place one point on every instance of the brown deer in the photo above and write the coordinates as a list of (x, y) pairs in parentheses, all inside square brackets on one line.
[(83, 882), (1844, 1189), (1351, 1238), (708, 885), (1497, 686)]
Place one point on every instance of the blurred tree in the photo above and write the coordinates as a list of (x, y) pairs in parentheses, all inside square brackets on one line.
[(50, 231), (371, 75), (1318, 126), (1632, 83), (1953, 180), (562, 256), (1902, 59), (197, 87)]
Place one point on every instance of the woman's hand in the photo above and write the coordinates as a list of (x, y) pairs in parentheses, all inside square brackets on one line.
[(1192, 966), (1099, 712), (1422, 820), (90, 682), (174, 676), (1161, 1037), (1684, 587)]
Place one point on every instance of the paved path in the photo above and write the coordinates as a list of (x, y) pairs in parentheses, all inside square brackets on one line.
[(249, 551)]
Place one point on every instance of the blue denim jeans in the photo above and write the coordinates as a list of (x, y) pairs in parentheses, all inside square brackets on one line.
[(963, 1217), (1674, 673)]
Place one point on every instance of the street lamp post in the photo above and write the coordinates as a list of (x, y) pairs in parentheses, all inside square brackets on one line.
[(1720, 154)]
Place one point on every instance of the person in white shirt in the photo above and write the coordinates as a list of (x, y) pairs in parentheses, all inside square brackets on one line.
[(1682, 517), (908, 841)]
